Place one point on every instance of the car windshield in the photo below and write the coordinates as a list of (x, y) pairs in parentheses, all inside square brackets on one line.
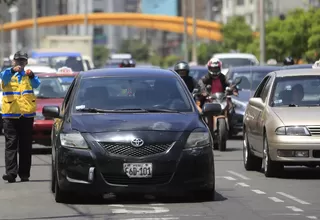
[(249, 80), (56, 62), (53, 87), (132, 93), (296, 91), (198, 73), (233, 62)]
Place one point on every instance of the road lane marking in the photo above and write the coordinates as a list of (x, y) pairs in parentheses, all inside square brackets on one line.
[(312, 217), (116, 205), (238, 175), (229, 178), (293, 198), (137, 210), (275, 199), (295, 209), (156, 204), (258, 191), (243, 184)]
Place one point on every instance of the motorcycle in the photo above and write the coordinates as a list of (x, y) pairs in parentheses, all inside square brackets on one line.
[(220, 125)]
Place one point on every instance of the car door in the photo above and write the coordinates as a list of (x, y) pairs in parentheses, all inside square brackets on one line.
[(261, 118), (252, 114)]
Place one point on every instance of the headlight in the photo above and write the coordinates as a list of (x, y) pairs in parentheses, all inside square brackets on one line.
[(39, 116), (293, 131), (73, 140), (198, 139)]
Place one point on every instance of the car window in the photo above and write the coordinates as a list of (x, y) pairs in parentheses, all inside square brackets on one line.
[(198, 73), (233, 62), (132, 92), (53, 87), (266, 89), (260, 87), (301, 90), (249, 80)]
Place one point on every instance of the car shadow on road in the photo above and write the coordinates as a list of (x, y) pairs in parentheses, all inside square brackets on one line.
[(131, 199), (300, 173)]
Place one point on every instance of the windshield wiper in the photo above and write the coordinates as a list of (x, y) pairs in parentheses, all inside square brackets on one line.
[(94, 110), (147, 110)]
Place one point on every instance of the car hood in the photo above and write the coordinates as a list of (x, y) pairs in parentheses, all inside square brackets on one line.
[(45, 102), (298, 115), (94, 123)]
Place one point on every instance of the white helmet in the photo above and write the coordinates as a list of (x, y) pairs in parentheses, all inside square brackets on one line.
[(214, 66)]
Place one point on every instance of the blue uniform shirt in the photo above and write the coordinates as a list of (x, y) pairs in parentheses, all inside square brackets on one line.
[(7, 74)]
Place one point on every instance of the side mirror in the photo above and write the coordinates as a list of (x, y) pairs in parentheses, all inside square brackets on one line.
[(51, 111), (211, 109), (256, 101), (237, 81), (195, 91)]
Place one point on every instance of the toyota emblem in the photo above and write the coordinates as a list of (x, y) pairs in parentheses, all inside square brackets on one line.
[(137, 142)]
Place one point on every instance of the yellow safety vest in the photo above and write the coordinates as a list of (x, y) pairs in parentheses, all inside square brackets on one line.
[(18, 98)]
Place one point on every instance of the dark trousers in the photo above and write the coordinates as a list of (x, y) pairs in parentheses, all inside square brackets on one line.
[(18, 136)]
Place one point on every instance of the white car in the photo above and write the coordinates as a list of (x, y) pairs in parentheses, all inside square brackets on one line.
[(235, 59), (41, 69)]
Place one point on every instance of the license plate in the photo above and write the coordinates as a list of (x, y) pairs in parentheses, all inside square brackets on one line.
[(138, 170)]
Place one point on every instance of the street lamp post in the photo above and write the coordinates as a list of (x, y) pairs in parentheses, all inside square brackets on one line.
[(262, 33), (14, 39), (35, 39), (185, 31), (86, 32), (1, 41), (194, 35)]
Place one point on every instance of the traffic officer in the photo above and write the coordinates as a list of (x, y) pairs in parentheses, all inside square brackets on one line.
[(18, 111)]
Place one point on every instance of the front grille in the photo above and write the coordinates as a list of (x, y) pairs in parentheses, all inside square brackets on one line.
[(124, 149), (124, 180), (314, 130), (316, 153)]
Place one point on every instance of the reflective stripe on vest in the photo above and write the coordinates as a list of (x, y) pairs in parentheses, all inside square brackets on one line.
[(18, 98)]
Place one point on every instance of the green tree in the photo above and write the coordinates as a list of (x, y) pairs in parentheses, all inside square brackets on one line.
[(313, 52), (206, 50), (100, 55), (237, 34), (136, 48)]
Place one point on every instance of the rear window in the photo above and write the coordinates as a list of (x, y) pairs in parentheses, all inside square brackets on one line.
[(132, 93), (233, 62)]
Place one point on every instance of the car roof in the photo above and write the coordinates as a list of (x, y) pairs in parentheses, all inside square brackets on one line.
[(297, 72), (197, 67), (298, 66), (128, 72), (43, 75), (255, 68), (233, 55)]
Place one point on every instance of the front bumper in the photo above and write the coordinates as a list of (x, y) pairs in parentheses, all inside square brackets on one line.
[(192, 171), (42, 131), (280, 145)]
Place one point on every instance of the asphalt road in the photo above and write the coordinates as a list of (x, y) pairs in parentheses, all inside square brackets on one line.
[(241, 195)]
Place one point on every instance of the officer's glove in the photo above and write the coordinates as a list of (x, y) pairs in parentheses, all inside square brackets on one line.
[(30, 74)]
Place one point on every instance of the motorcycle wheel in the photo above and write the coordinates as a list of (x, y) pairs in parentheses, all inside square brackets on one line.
[(222, 134)]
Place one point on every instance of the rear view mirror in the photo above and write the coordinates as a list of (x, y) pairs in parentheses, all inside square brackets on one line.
[(195, 91), (256, 101), (237, 81), (51, 111), (211, 109)]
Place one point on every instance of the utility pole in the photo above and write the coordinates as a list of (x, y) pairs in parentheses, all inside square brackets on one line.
[(194, 35), (262, 33), (1, 41), (86, 18), (35, 39), (14, 35), (185, 32)]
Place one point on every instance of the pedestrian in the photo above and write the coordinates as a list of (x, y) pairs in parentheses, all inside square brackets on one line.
[(18, 111)]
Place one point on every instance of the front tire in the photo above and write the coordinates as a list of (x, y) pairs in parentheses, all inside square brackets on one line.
[(270, 168), (60, 196), (222, 134), (250, 161)]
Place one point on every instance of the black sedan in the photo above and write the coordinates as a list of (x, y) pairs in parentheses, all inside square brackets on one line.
[(251, 78), (131, 130)]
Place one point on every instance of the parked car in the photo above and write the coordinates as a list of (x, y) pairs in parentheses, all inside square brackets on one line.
[(51, 91), (251, 77), (150, 141), (281, 122), (197, 72)]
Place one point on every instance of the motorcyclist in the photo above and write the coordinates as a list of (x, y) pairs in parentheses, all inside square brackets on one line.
[(215, 78), (128, 63), (288, 61), (183, 69)]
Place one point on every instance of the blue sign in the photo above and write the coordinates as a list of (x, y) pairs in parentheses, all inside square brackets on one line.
[(160, 7)]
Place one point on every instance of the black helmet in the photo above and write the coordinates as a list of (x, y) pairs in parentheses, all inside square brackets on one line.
[(288, 61), (128, 63), (182, 66)]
